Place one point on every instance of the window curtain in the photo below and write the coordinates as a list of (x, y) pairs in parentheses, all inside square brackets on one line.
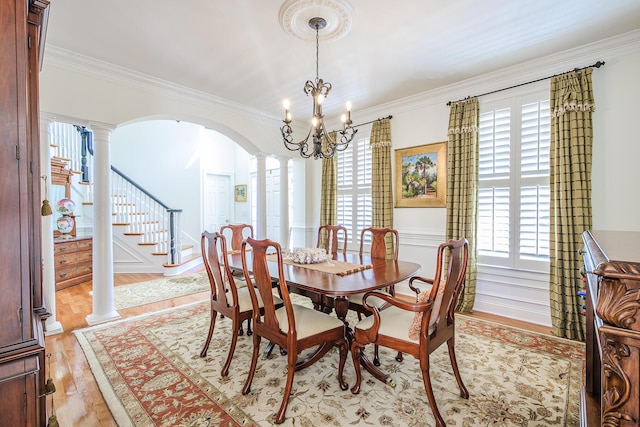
[(462, 188), (329, 193), (381, 185), (571, 106)]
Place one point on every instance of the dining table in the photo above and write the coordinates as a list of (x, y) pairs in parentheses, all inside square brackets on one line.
[(330, 283)]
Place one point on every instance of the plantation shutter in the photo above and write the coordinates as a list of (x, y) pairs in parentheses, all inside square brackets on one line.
[(494, 141), (354, 188), (535, 192)]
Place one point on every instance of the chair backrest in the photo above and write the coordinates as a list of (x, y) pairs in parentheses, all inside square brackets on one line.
[(259, 282), (330, 238), (237, 232), (456, 267), (379, 242), (220, 277)]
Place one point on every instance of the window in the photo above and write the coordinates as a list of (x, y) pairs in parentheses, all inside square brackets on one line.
[(354, 188), (513, 209)]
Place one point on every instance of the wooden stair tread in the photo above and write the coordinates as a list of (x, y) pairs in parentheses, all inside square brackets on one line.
[(185, 260), (184, 247)]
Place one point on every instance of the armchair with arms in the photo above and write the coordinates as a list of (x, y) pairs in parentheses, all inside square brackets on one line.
[(419, 328)]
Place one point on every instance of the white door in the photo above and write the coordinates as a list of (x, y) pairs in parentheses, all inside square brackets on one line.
[(217, 201)]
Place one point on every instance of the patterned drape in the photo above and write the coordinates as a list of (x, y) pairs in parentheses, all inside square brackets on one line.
[(328, 192), (571, 106), (462, 188), (381, 185)]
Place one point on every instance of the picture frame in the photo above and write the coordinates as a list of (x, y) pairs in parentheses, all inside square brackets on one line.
[(240, 193), (421, 176)]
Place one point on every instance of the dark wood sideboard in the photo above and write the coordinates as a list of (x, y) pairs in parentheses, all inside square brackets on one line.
[(611, 394)]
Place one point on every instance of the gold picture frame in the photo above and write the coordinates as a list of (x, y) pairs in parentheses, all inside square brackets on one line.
[(240, 193), (421, 176)]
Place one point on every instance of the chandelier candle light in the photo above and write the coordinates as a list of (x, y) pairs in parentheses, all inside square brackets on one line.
[(324, 145)]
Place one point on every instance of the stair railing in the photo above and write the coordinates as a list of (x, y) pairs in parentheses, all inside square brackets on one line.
[(155, 222), (145, 215)]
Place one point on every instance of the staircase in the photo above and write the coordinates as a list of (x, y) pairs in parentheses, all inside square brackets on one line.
[(147, 236)]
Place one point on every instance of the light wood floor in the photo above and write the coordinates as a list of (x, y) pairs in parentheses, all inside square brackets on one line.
[(77, 400)]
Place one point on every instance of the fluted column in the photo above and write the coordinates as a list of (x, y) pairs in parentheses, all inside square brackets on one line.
[(261, 196), (52, 326), (285, 236), (103, 306)]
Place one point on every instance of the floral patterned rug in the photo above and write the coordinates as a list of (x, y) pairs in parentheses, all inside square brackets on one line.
[(135, 294), (151, 374)]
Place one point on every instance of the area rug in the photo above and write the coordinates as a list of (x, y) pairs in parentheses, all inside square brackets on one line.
[(135, 294), (150, 373)]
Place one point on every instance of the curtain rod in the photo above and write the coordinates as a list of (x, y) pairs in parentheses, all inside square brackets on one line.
[(366, 123), (376, 120), (596, 65)]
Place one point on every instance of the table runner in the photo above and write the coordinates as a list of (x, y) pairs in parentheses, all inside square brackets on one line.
[(341, 268)]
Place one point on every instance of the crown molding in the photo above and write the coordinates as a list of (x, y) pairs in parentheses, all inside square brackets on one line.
[(82, 64), (603, 50)]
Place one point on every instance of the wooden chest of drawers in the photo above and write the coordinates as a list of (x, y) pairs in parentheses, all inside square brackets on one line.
[(73, 261)]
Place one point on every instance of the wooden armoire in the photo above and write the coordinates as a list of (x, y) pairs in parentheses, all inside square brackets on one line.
[(22, 351)]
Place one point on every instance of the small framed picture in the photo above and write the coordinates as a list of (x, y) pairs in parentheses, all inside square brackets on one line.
[(420, 176), (241, 193)]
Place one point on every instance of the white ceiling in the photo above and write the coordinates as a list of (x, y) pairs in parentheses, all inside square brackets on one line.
[(237, 49)]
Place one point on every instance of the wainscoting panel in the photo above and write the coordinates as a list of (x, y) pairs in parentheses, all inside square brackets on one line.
[(521, 295)]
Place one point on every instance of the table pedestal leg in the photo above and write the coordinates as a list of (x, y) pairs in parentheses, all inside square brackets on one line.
[(341, 306)]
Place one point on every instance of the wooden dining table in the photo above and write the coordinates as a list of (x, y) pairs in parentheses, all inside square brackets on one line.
[(330, 290)]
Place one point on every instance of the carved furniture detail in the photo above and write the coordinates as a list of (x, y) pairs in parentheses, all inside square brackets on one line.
[(611, 395)]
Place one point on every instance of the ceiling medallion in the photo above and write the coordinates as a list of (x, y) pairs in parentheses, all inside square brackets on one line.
[(296, 14)]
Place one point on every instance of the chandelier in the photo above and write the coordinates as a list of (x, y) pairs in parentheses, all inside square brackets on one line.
[(323, 144)]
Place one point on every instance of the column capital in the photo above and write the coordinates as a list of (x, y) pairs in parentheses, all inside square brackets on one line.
[(101, 126)]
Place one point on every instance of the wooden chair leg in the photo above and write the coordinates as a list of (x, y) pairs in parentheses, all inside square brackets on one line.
[(454, 364), (249, 331), (426, 379), (252, 368), (212, 325), (399, 357), (232, 349), (291, 370)]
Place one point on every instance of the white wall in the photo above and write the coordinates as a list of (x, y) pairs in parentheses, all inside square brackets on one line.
[(139, 150), (72, 87), (616, 144)]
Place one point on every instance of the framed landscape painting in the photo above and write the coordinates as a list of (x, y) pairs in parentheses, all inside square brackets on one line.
[(421, 176)]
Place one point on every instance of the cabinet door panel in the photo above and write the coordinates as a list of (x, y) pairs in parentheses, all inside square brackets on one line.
[(14, 207)]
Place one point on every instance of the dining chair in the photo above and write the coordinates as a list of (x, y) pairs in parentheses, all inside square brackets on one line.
[(419, 328), (293, 327), (330, 234), (236, 233), (226, 299), (380, 236)]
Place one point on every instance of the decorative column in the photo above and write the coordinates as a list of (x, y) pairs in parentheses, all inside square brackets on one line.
[(285, 233), (52, 326), (261, 196), (103, 308)]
